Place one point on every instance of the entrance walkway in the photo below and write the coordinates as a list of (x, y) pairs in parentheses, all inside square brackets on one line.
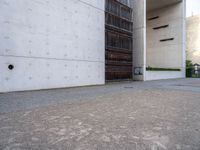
[(27, 100), (153, 115)]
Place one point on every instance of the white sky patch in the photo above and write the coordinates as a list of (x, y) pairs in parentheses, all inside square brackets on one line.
[(193, 7)]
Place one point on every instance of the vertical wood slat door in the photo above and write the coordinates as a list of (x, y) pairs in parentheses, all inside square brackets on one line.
[(119, 28)]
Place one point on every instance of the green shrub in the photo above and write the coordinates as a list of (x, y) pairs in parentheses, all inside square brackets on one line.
[(189, 68), (162, 69)]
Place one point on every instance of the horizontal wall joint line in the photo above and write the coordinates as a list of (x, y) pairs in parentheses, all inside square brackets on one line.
[(45, 58)]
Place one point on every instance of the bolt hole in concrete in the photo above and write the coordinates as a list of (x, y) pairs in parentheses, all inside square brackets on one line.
[(10, 67)]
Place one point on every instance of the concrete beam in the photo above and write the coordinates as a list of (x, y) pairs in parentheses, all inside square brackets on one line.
[(157, 4)]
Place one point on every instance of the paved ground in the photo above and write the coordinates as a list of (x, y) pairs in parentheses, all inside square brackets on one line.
[(155, 115)]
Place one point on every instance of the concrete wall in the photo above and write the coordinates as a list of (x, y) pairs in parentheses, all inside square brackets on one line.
[(139, 38), (169, 54), (51, 44), (193, 39), (158, 75), (165, 54)]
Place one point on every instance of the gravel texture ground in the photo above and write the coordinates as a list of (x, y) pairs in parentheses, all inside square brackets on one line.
[(155, 115)]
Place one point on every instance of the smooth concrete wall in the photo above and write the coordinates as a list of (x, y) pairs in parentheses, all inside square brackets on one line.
[(193, 39), (165, 54), (158, 75), (139, 38), (169, 54), (51, 44)]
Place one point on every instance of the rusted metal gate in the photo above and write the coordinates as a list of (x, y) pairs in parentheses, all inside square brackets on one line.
[(119, 28)]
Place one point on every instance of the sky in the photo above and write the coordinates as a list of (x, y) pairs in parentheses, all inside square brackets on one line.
[(193, 7)]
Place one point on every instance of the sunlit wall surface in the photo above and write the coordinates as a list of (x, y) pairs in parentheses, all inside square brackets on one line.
[(51, 44), (193, 39)]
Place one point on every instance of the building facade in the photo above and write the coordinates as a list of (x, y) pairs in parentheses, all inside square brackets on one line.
[(119, 40), (56, 44), (159, 39)]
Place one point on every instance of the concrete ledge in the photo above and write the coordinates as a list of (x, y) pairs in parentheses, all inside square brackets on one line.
[(158, 75)]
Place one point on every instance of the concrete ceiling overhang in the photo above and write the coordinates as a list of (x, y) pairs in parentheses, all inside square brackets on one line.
[(156, 4)]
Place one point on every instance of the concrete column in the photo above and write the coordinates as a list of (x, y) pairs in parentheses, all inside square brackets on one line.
[(139, 39)]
